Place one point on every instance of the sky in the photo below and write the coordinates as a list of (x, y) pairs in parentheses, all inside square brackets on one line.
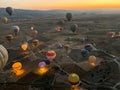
[(60, 4)]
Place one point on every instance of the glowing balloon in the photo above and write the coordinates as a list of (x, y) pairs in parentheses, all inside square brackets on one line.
[(51, 55), (24, 46), (3, 56), (17, 66), (84, 52), (42, 64), (9, 37), (73, 79), (9, 10), (4, 20), (92, 60)]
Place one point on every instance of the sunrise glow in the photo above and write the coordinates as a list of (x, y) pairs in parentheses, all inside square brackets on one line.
[(60, 4)]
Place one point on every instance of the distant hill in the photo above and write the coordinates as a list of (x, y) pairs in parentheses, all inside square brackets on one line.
[(19, 13)]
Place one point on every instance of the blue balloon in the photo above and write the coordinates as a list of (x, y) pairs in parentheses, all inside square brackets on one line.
[(84, 52), (46, 61)]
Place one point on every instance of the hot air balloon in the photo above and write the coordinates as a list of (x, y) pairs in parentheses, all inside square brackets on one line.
[(4, 20), (47, 61), (67, 48), (60, 22), (74, 79), (24, 46), (9, 10), (35, 43), (84, 52), (51, 55), (42, 64), (3, 56), (110, 34), (92, 60), (17, 68), (74, 27), (89, 47), (9, 37), (32, 28), (69, 16), (16, 29), (34, 33), (59, 29)]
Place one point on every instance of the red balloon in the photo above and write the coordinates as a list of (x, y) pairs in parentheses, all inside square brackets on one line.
[(51, 55)]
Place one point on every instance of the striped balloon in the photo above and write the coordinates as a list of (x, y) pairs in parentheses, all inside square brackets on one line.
[(3, 56)]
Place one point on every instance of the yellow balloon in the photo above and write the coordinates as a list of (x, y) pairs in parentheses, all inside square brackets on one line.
[(73, 78), (24, 46), (4, 20)]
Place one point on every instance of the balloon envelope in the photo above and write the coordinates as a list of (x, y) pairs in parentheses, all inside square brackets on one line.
[(3, 56), (4, 20), (73, 79), (35, 43), (42, 64), (24, 46), (92, 60), (69, 16), (9, 37), (16, 29), (84, 52), (9, 10), (74, 27), (51, 55), (47, 61), (17, 66), (89, 47)]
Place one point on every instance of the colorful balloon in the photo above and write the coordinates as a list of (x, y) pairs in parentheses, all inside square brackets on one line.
[(51, 55), (74, 79), (42, 64)]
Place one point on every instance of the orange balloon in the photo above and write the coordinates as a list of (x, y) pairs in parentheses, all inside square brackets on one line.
[(24, 46)]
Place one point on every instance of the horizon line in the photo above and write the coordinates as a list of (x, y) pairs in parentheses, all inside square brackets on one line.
[(63, 9)]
